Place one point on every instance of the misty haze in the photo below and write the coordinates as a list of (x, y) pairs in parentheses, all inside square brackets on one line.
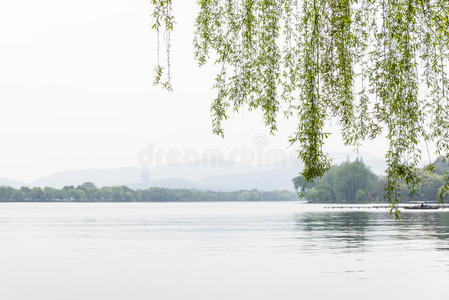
[(241, 149)]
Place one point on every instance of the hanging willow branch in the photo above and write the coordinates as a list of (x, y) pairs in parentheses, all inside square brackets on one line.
[(376, 66), (163, 24)]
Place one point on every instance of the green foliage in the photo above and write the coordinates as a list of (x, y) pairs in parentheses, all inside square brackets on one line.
[(88, 192), (347, 182), (429, 186), (441, 166), (301, 185), (163, 23), (354, 182), (377, 66)]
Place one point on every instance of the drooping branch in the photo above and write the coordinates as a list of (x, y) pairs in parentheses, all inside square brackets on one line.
[(377, 66), (163, 23)]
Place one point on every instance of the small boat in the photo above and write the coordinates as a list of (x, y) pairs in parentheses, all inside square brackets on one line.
[(425, 206)]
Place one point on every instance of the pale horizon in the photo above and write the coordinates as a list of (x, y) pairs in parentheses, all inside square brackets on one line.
[(112, 188), (76, 86)]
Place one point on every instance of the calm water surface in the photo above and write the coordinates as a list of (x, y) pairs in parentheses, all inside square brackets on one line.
[(270, 250)]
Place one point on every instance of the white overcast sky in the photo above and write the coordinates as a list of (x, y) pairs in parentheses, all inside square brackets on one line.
[(76, 89)]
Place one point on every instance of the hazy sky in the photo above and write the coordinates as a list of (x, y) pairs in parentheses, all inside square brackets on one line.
[(76, 89)]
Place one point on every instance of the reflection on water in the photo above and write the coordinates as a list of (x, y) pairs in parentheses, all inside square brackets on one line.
[(326, 231), (329, 231), (270, 250)]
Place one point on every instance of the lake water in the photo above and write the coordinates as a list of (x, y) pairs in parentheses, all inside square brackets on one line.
[(269, 250)]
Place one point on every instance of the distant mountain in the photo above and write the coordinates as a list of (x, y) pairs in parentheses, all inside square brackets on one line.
[(441, 166), (265, 180), (211, 175), (170, 183), (198, 171), (170, 176), (11, 183), (101, 177)]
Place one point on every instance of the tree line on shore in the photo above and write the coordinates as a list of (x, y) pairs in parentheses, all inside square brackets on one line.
[(350, 182), (354, 182), (88, 192)]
